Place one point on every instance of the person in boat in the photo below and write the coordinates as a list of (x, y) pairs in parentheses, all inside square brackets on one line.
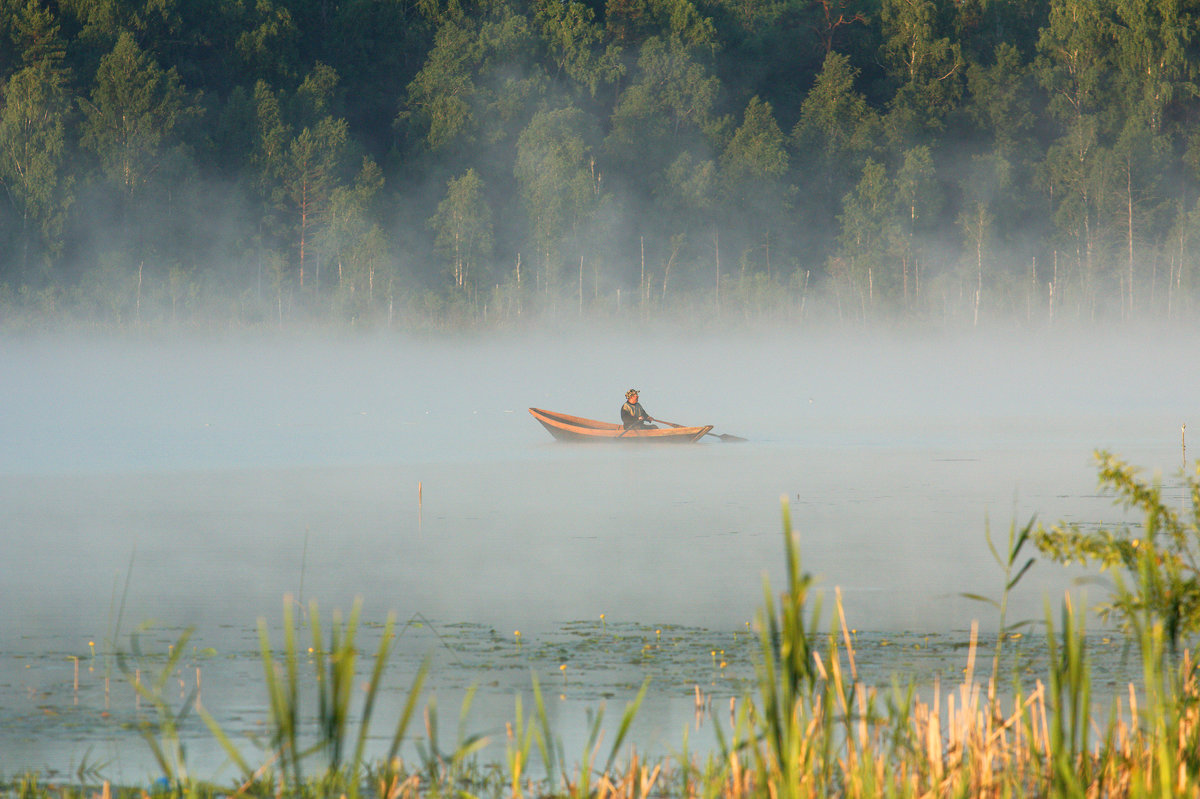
[(633, 415)]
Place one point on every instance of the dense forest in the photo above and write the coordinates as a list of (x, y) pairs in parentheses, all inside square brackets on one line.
[(390, 162)]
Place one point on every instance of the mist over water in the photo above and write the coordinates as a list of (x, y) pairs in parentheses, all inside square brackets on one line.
[(231, 471), (214, 475)]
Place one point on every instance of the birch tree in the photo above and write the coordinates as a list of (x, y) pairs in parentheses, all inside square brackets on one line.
[(463, 227)]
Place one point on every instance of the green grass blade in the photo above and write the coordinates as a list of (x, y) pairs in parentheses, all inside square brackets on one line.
[(626, 720), (410, 705), (381, 658), (226, 743)]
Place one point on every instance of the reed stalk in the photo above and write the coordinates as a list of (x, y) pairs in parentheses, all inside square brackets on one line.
[(162, 733)]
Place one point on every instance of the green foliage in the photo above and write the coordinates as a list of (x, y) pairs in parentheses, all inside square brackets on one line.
[(576, 44), (927, 67), (1000, 101), (755, 153), (132, 115), (836, 132), (1070, 699), (554, 170), (162, 733), (309, 176), (787, 677), (464, 227), (439, 97), (36, 34), (871, 230), (1013, 573), (1154, 565), (335, 678), (122, 124), (268, 45), (634, 21), (1152, 41), (32, 154), (353, 241), (752, 168), (835, 120), (669, 103)]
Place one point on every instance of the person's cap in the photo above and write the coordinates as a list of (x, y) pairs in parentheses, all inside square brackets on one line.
[(631, 392)]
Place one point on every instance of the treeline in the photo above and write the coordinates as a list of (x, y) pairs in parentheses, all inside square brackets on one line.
[(383, 161)]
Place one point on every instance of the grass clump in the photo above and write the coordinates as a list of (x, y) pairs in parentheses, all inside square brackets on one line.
[(812, 729), (327, 758)]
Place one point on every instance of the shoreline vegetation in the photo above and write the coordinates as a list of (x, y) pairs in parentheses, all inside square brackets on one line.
[(475, 162), (808, 725)]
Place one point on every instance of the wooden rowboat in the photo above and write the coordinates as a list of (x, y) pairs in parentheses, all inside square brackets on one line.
[(576, 428)]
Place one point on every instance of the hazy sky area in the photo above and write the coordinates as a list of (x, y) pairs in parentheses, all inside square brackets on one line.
[(232, 470)]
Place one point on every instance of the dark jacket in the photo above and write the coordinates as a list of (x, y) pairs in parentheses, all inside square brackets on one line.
[(634, 415)]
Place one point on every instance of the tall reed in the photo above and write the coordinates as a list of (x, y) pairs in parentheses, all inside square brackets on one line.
[(162, 733), (811, 728)]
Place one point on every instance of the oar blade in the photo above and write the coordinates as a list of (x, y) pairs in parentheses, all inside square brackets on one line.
[(729, 437)]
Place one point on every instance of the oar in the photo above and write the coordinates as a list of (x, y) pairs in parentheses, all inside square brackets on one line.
[(727, 437)]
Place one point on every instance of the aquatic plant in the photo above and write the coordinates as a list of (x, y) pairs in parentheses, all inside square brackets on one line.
[(162, 733), (289, 765), (787, 679), (810, 729), (1159, 566), (334, 672), (1012, 576)]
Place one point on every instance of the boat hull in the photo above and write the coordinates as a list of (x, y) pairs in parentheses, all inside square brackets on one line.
[(578, 429)]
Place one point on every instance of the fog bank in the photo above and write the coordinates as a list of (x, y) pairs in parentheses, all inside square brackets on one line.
[(218, 474)]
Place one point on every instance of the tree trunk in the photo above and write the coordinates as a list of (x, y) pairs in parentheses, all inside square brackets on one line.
[(1129, 211), (667, 270), (717, 252), (303, 227)]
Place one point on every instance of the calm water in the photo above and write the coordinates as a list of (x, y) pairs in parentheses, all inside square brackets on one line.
[(184, 483)]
